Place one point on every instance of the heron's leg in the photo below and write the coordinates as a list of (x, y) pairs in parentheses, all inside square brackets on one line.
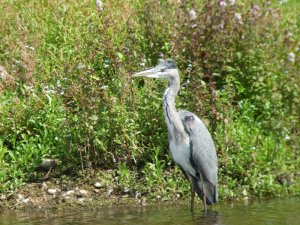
[(192, 183), (204, 194)]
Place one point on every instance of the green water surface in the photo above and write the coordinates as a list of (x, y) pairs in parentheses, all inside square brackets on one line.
[(275, 212)]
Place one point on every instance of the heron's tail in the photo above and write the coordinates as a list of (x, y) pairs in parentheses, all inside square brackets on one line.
[(210, 191)]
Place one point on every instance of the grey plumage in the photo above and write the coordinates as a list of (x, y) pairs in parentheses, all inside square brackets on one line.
[(190, 142), (204, 160)]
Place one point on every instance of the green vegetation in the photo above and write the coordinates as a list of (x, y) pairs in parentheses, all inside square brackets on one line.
[(66, 91)]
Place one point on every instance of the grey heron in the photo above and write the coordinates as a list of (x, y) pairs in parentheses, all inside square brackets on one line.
[(190, 143)]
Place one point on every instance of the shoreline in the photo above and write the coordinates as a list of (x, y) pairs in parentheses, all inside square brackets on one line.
[(49, 195)]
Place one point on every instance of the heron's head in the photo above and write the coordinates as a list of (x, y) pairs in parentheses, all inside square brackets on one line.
[(165, 69)]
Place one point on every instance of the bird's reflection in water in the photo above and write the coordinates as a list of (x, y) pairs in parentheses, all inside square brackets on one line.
[(209, 218)]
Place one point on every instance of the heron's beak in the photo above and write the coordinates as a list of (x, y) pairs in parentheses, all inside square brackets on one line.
[(153, 73)]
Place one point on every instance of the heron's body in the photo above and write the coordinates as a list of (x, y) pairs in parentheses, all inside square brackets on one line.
[(190, 142)]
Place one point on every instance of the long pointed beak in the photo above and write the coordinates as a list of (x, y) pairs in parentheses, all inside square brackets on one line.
[(153, 73)]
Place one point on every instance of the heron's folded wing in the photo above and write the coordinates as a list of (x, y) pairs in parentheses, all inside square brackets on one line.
[(203, 153)]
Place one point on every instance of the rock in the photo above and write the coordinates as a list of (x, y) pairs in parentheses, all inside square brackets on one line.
[(3, 197), (47, 164), (44, 186), (9, 195), (138, 195), (126, 190), (109, 191), (70, 193), (22, 200), (82, 193), (52, 191), (98, 185), (81, 200)]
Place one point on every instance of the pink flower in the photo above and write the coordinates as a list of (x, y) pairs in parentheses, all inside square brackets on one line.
[(291, 57), (99, 5), (193, 14), (222, 4), (255, 10), (238, 17)]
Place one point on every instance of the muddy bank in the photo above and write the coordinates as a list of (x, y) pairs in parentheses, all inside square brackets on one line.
[(90, 189), (55, 195), (82, 191)]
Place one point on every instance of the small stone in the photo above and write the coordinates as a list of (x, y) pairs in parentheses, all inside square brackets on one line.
[(70, 192), (96, 190), (81, 200), (9, 195), (126, 190), (44, 186), (158, 197), (138, 195), (98, 185), (47, 164), (109, 191), (3, 197), (22, 200), (52, 191), (82, 193)]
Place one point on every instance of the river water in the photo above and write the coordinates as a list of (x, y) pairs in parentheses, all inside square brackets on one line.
[(276, 212)]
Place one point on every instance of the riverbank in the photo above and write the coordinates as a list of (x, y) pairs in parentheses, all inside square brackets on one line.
[(59, 194), (50, 195), (89, 191)]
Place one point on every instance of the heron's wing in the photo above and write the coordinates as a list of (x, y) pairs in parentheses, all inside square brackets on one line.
[(203, 154)]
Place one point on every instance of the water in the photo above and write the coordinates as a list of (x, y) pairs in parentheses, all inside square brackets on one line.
[(275, 212)]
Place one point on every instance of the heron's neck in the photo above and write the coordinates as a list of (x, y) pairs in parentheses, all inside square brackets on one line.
[(174, 123)]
